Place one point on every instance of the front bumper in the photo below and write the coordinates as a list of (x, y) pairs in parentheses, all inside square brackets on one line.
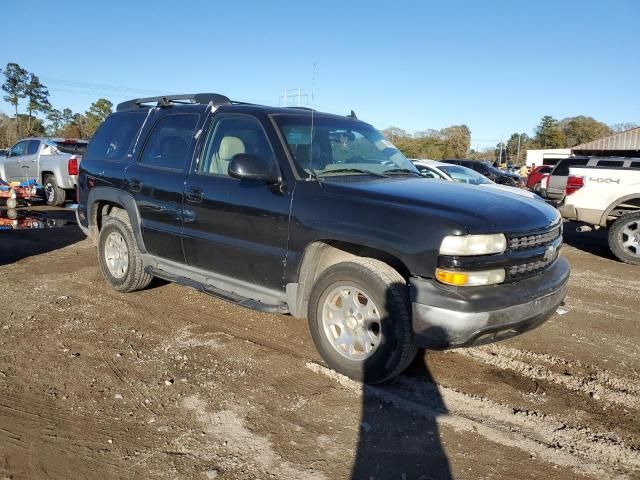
[(449, 317)]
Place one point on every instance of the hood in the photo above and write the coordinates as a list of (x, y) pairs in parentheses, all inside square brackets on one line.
[(512, 190), (475, 210)]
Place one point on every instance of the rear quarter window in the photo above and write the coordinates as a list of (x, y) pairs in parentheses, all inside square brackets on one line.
[(562, 168), (610, 163), (115, 136), (635, 164)]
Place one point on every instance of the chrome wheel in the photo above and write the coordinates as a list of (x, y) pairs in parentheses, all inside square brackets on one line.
[(116, 255), (351, 322), (49, 193), (629, 238)]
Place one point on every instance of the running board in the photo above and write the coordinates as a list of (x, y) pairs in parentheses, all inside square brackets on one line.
[(217, 292)]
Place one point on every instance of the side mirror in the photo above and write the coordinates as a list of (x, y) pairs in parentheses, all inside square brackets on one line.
[(245, 166)]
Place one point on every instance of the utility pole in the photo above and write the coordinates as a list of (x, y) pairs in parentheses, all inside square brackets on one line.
[(518, 155), (297, 95)]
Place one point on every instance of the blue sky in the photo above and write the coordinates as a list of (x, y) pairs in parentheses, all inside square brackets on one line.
[(497, 66)]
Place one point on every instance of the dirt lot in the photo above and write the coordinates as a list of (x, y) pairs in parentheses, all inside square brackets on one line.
[(172, 383)]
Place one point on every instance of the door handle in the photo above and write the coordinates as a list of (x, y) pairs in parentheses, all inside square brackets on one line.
[(134, 185), (194, 195)]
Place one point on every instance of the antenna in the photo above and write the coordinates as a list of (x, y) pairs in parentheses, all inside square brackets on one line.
[(313, 85)]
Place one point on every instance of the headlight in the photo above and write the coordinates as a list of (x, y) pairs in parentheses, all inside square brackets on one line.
[(470, 279), (473, 244)]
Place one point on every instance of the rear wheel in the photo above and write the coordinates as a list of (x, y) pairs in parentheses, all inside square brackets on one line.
[(359, 318), (12, 203), (118, 254), (624, 238), (54, 195)]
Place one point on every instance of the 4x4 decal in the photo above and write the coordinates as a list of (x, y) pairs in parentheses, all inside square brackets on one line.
[(604, 180)]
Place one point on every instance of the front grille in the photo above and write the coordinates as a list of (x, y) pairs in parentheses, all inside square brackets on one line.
[(521, 242), (523, 270)]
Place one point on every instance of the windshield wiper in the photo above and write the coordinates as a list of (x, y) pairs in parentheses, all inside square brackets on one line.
[(349, 170), (400, 171)]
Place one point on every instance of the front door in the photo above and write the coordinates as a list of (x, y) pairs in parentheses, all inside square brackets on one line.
[(156, 181), (13, 163), (235, 228)]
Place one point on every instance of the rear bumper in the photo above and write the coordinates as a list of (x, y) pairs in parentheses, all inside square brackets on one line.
[(446, 317)]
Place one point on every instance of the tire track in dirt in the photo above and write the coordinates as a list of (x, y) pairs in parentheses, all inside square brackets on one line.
[(575, 376), (548, 437)]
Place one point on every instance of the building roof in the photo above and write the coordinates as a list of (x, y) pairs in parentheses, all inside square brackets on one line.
[(627, 141)]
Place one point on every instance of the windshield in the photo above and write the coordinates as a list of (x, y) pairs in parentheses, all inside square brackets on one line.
[(464, 174), (341, 147)]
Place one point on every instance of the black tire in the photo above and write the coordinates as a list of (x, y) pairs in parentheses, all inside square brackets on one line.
[(53, 194), (135, 278), (12, 203), (388, 291), (617, 236)]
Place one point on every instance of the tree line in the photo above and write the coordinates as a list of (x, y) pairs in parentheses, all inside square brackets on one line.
[(24, 91), (455, 141)]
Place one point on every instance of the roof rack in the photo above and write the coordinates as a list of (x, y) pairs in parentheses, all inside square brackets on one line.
[(168, 100)]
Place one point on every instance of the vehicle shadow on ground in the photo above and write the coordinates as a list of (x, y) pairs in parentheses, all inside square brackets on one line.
[(393, 443), (24, 236), (594, 242)]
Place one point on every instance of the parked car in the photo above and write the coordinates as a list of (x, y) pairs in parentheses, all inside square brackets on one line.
[(534, 177), (606, 193), (489, 171), (52, 162), (318, 215), (458, 173)]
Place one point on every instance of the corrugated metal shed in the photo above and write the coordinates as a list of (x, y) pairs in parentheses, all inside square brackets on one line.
[(628, 141)]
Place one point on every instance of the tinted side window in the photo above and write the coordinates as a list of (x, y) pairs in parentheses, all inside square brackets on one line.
[(169, 142), (32, 149), (231, 136), (635, 165), (114, 137), (563, 165), (610, 163)]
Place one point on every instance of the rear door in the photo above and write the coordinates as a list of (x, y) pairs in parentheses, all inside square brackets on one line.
[(557, 182), (156, 181), (236, 228), (29, 162)]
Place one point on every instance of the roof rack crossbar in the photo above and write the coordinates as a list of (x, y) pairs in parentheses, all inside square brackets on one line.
[(167, 100)]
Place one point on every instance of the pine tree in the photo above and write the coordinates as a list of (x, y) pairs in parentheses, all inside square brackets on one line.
[(38, 98), (549, 134), (15, 87)]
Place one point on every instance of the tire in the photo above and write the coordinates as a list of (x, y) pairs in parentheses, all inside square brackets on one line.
[(12, 203), (624, 238), (53, 194), (116, 236), (386, 294), (537, 188), (12, 214)]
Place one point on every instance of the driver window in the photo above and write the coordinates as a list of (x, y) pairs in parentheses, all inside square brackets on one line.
[(19, 149), (231, 136)]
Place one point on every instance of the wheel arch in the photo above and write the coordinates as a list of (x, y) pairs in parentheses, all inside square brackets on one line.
[(320, 255), (101, 202), (633, 200)]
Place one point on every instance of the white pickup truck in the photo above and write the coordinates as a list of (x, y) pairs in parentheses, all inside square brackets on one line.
[(51, 162), (606, 193)]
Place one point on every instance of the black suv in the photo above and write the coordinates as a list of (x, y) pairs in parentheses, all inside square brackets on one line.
[(294, 211), (489, 171)]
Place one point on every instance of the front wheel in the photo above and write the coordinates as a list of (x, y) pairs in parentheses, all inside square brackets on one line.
[(12, 203), (624, 238), (360, 321)]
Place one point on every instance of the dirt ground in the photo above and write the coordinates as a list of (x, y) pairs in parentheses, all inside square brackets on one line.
[(169, 383)]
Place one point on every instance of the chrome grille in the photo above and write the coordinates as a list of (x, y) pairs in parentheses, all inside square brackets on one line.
[(526, 269), (534, 240)]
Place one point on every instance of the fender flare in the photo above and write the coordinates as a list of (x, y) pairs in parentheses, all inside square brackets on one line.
[(619, 201), (118, 197)]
